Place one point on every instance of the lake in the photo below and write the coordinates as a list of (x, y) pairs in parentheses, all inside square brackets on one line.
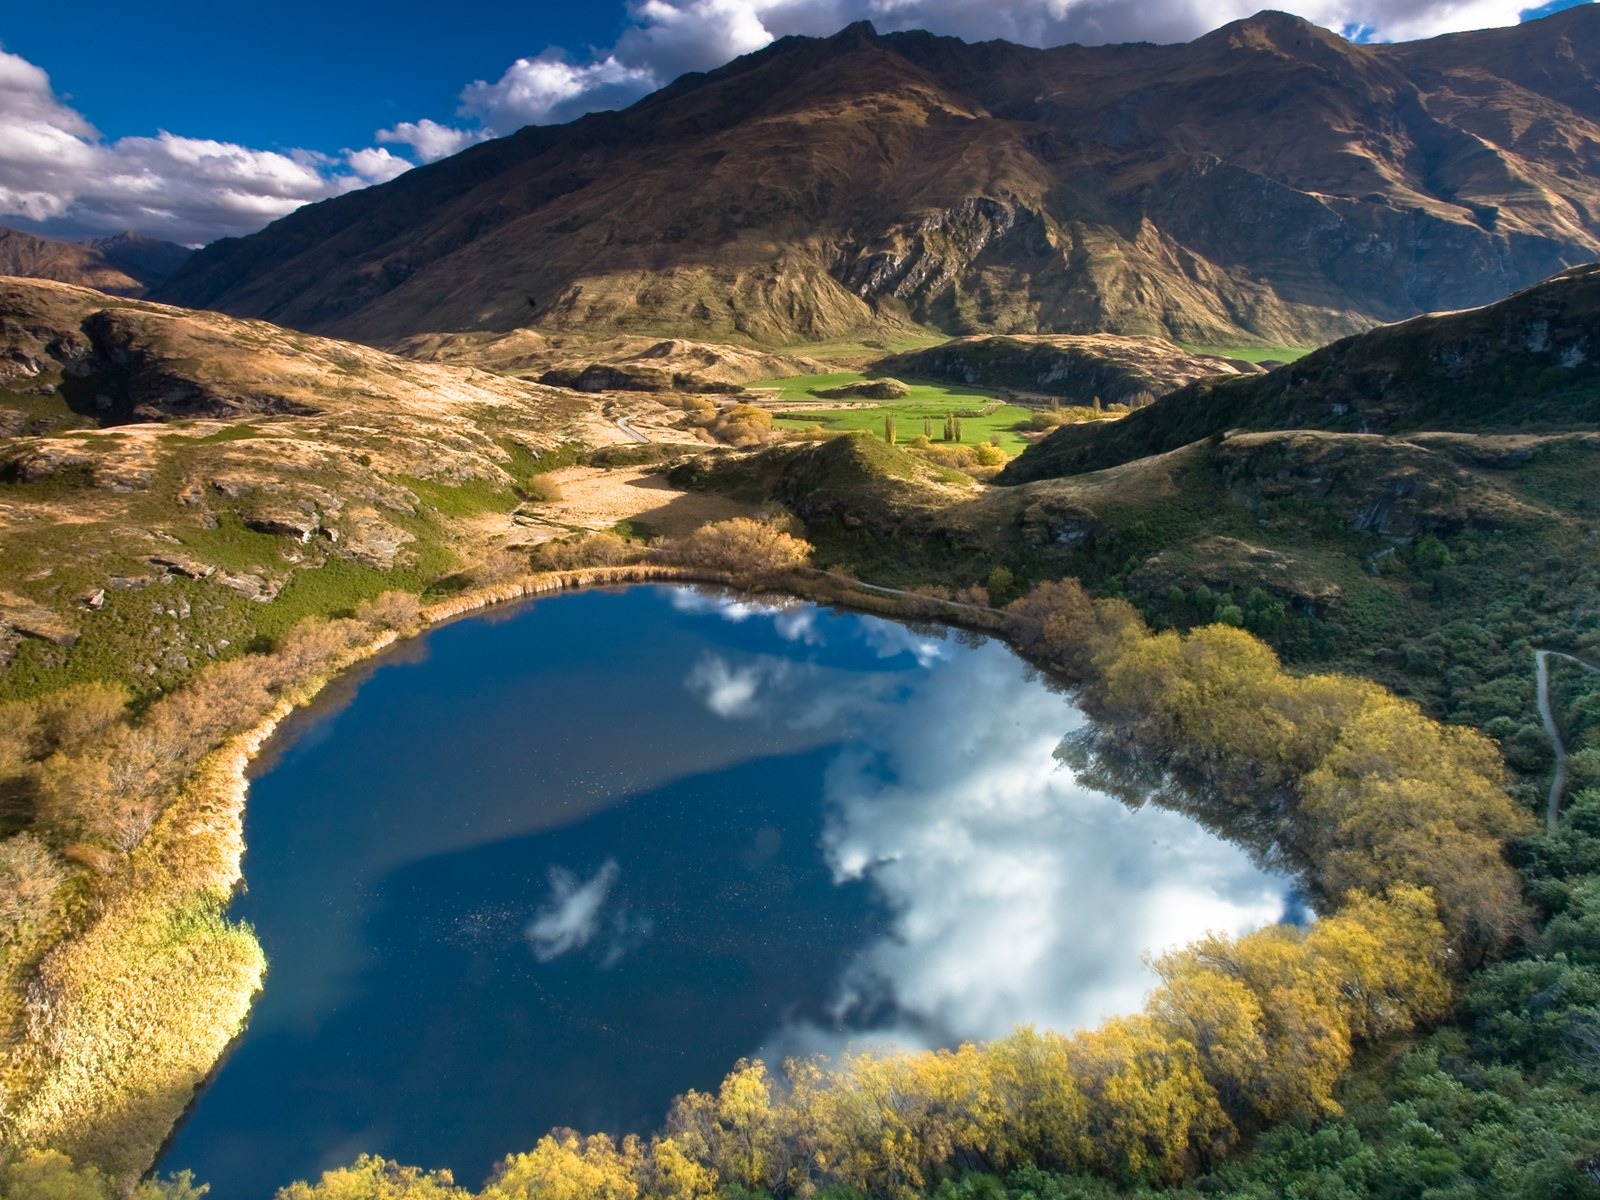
[(553, 865)]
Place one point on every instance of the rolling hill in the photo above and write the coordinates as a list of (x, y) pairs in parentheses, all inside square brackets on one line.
[(1528, 363)]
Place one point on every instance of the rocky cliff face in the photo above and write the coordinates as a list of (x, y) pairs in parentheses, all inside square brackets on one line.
[(1268, 182)]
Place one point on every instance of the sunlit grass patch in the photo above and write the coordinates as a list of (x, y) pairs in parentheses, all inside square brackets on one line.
[(920, 413), (1255, 354)]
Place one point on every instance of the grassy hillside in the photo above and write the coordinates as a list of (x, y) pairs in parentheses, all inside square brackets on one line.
[(1529, 362)]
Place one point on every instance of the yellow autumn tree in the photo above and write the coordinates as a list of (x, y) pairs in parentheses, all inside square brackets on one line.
[(1388, 958), (1222, 1019), (373, 1178), (1042, 1114), (567, 1166), (1402, 798), (677, 1173), (735, 1132), (1303, 1026), (1150, 1111)]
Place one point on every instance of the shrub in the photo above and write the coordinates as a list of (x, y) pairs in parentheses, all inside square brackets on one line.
[(104, 796), (541, 489), (1001, 584), (590, 550), (30, 876), (76, 717), (742, 546), (311, 646), (743, 425), (399, 611)]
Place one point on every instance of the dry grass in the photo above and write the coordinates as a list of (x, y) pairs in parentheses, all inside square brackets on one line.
[(595, 499)]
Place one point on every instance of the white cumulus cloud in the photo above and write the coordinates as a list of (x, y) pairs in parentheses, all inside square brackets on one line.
[(549, 89), (375, 164), (58, 172), (731, 691), (430, 140)]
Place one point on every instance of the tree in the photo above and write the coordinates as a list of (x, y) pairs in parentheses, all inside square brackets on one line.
[(1222, 1019), (1400, 798), (1043, 1114), (566, 1166), (373, 1178), (676, 1174), (1304, 1027), (1150, 1110)]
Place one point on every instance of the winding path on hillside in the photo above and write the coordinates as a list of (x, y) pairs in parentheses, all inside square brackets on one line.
[(1558, 784)]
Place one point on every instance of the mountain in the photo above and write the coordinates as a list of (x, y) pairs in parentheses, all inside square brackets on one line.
[(1269, 182), (128, 264), (1528, 363)]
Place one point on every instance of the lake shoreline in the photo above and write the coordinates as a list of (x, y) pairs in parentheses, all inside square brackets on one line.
[(224, 775)]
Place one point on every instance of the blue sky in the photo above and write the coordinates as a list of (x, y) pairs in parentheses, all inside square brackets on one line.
[(318, 73), (193, 120)]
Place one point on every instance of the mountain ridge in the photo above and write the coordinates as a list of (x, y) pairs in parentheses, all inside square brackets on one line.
[(820, 188)]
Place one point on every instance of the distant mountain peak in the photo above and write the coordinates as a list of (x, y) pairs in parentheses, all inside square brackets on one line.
[(123, 264), (855, 33)]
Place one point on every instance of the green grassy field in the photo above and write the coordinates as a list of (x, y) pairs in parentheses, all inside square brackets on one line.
[(865, 350), (927, 400), (1253, 354)]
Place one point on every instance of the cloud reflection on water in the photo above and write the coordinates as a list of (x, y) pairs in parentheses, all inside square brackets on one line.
[(1021, 895), (577, 913)]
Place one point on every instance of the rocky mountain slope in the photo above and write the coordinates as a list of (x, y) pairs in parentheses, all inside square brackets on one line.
[(1528, 363), (528, 352), (1269, 181), (128, 264)]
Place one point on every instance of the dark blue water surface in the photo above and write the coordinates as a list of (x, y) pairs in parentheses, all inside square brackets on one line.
[(557, 865)]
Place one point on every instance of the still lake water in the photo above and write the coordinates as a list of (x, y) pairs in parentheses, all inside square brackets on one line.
[(555, 865)]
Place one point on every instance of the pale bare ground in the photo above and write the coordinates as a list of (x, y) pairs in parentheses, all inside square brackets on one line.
[(595, 498)]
